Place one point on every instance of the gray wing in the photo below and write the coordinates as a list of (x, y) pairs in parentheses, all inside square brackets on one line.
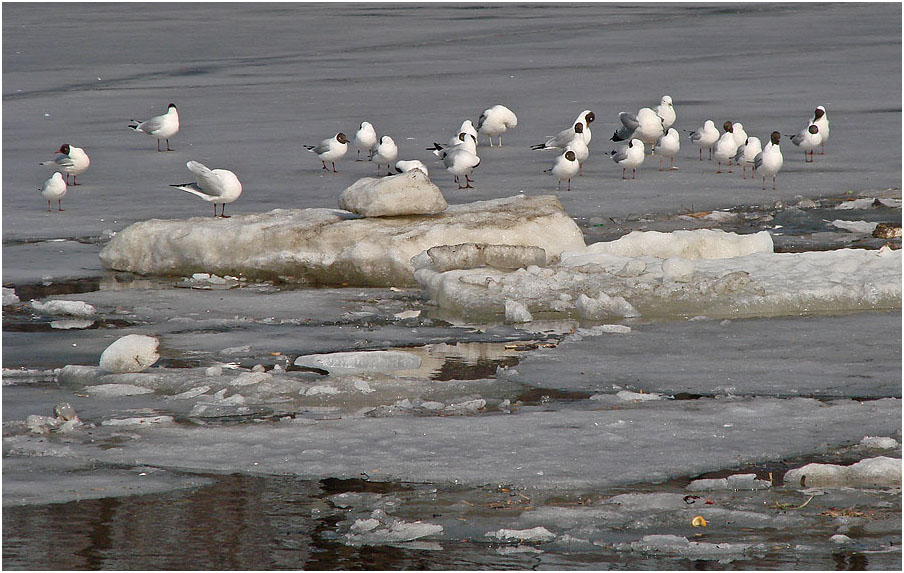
[(758, 160), (620, 154), (628, 120), (483, 118), (151, 125)]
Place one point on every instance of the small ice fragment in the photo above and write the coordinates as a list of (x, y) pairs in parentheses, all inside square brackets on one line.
[(214, 371), (864, 227), (516, 312), (628, 396), (407, 314), (200, 276), (142, 421), (112, 390), (879, 443), (64, 307), (539, 534), (9, 297), (131, 353)]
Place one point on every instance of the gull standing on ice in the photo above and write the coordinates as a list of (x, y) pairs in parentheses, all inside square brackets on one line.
[(404, 166), (385, 153), (213, 185), (808, 139), (629, 156), (565, 167), (70, 160), (330, 149), (747, 154), (459, 160), (705, 137), (563, 138), (586, 117), (821, 120), (54, 189), (467, 126), (366, 139), (646, 126), (668, 146), (726, 148), (770, 160), (737, 130), (579, 146), (495, 121), (162, 126), (666, 111)]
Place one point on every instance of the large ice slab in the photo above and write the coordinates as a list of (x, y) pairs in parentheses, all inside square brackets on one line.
[(327, 246), (685, 273)]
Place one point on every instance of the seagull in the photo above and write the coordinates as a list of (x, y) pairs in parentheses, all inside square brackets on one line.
[(463, 138), (747, 154), (821, 119), (366, 139), (459, 160), (468, 127), (770, 160), (705, 136), (808, 139), (213, 185), (70, 159), (495, 121), (162, 126), (646, 126), (726, 148), (579, 146), (586, 117), (737, 130), (563, 138), (404, 166), (330, 149), (668, 146), (565, 167), (385, 153), (666, 111), (630, 155), (54, 189)]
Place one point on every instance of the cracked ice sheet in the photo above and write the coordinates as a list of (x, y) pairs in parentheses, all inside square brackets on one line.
[(653, 442), (852, 355)]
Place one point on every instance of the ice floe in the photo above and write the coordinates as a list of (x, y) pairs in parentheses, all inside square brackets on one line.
[(868, 473), (685, 273), (64, 307), (329, 246)]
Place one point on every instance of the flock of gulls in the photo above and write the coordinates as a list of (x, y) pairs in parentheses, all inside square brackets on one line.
[(649, 126)]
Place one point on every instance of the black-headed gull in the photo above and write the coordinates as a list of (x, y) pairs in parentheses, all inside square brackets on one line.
[(586, 117), (747, 154), (404, 166), (562, 139), (54, 189), (808, 140), (629, 156), (705, 137), (666, 111), (821, 119), (740, 135), (459, 160), (161, 126), (769, 161), (385, 153), (668, 145), (330, 149), (70, 160), (467, 126), (565, 167), (645, 126), (496, 121), (579, 146), (366, 139), (726, 148), (213, 185)]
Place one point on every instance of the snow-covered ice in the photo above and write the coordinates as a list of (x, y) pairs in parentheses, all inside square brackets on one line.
[(410, 193), (131, 353), (871, 472), (334, 247)]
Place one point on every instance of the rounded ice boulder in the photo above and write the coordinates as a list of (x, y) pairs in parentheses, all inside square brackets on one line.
[(131, 353), (410, 193)]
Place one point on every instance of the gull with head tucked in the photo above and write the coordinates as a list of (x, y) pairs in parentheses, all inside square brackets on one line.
[(213, 185)]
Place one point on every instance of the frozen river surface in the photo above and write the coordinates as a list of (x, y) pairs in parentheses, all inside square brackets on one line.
[(559, 444)]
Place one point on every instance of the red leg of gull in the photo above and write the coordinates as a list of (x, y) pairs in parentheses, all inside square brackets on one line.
[(633, 173), (60, 202), (333, 163), (223, 213), (822, 148), (701, 154), (660, 163), (710, 153), (324, 165), (214, 210), (168, 148), (74, 182), (764, 182), (48, 205), (719, 170), (623, 173), (468, 182), (729, 166), (569, 184), (773, 182), (158, 146)]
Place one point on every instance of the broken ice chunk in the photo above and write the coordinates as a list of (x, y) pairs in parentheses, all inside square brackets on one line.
[(131, 353)]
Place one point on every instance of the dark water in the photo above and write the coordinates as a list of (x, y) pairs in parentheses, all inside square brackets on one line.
[(253, 523)]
